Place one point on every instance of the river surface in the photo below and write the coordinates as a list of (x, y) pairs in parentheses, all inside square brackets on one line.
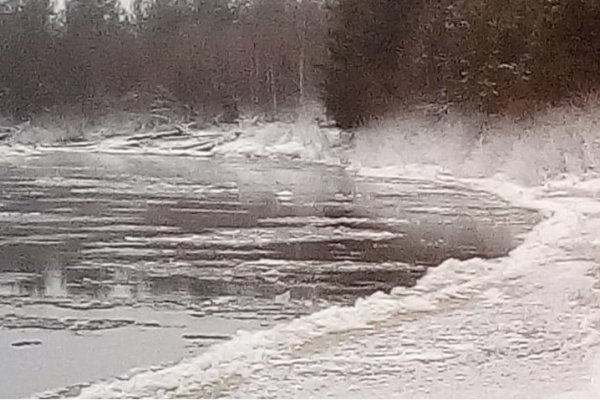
[(115, 262)]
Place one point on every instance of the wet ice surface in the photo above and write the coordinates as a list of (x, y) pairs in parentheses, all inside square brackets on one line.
[(108, 263)]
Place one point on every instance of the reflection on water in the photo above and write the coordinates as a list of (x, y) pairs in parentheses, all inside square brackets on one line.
[(86, 239)]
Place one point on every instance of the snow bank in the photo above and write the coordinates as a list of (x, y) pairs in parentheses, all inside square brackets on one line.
[(563, 140), (128, 134), (303, 139)]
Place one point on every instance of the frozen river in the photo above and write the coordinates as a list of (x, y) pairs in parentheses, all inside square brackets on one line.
[(115, 262)]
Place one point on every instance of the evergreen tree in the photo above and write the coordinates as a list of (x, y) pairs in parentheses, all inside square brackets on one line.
[(369, 43)]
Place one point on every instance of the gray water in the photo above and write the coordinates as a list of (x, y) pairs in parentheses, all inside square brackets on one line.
[(109, 263)]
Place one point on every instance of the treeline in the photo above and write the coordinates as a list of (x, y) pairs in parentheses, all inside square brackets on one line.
[(210, 55), (363, 58), (490, 56)]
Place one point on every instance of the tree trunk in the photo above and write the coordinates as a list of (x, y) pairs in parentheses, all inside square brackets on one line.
[(273, 89), (301, 65), (255, 85)]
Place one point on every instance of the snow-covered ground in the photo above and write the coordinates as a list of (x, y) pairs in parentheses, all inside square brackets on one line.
[(526, 325), (302, 139)]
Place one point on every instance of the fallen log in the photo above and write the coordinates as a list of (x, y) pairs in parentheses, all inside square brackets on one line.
[(157, 135)]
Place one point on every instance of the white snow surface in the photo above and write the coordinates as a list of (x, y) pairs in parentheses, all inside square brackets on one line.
[(302, 139), (526, 325)]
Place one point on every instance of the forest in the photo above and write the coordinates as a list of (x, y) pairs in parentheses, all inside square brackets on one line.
[(361, 59)]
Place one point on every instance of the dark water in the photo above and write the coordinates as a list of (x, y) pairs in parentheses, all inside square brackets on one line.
[(113, 262)]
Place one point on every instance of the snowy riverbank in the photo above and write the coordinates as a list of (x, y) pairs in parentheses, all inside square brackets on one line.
[(525, 325), (302, 139)]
